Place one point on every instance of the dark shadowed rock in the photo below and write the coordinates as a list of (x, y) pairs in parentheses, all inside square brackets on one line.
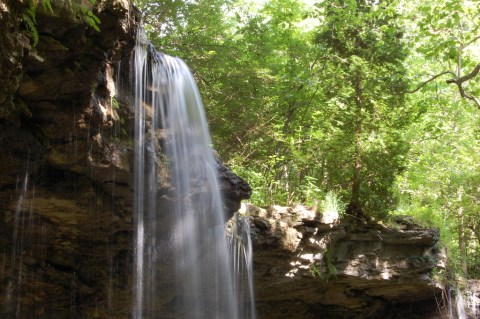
[(234, 189)]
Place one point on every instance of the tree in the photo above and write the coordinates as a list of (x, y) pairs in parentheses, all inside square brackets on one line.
[(441, 183), (363, 44), (307, 100)]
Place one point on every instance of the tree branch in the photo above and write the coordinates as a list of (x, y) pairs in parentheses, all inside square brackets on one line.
[(459, 82), (430, 80), (466, 77), (471, 41)]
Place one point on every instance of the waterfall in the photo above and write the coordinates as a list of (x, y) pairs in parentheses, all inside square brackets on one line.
[(18, 242), (461, 314), (185, 238), (23, 223), (242, 252), (473, 297)]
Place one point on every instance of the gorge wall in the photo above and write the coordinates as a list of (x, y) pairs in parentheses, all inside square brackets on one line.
[(66, 188), (64, 180)]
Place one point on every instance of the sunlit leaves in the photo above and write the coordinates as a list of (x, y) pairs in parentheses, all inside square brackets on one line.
[(278, 82)]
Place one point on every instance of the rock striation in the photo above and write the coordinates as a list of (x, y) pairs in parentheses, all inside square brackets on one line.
[(306, 268), (66, 232)]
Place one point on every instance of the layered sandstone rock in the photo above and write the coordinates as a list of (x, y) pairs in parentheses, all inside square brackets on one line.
[(66, 233), (306, 268)]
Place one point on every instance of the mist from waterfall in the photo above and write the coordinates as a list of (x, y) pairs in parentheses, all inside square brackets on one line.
[(188, 238)]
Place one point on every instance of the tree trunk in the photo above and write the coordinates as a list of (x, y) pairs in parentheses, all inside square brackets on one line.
[(354, 207), (462, 243), (281, 169)]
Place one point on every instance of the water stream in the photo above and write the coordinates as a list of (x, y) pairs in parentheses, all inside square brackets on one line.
[(186, 238)]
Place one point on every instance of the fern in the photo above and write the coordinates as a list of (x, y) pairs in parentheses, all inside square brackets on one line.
[(29, 18), (30, 13), (90, 17), (47, 5)]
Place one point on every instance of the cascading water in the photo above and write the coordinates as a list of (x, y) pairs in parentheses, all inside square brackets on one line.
[(188, 239), (19, 223), (461, 314), (473, 297), (241, 249), (23, 221)]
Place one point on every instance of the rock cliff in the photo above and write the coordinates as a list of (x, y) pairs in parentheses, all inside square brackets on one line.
[(65, 236)]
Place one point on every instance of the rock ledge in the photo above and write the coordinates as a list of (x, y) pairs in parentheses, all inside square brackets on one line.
[(306, 268)]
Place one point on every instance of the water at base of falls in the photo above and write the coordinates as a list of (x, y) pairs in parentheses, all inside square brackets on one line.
[(184, 266)]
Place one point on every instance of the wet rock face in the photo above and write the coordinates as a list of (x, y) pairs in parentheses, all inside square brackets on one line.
[(472, 298), (12, 51), (233, 188), (65, 251), (305, 268), (65, 212), (57, 92)]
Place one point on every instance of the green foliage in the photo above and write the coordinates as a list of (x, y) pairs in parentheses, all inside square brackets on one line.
[(311, 103), (115, 104), (332, 203), (445, 37), (29, 16), (47, 6), (90, 18), (332, 271), (29, 19), (364, 101), (315, 271)]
